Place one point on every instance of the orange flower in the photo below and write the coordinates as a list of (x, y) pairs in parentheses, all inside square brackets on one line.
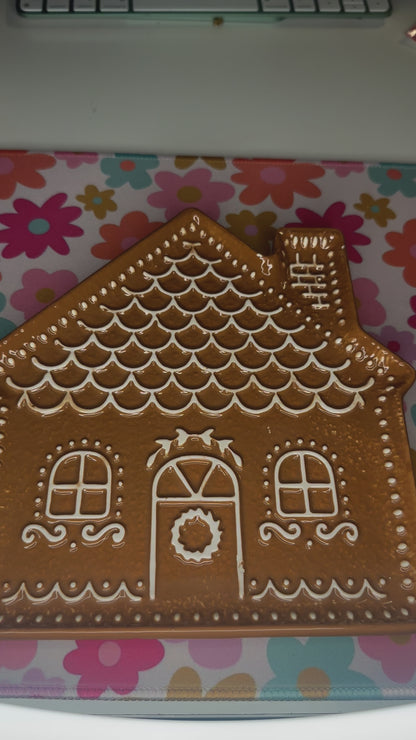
[(133, 227), (98, 201), (22, 168), (376, 209), (403, 250), (255, 230), (279, 179)]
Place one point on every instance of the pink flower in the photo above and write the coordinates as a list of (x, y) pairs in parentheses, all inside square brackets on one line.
[(113, 664), (195, 188), (401, 343), (397, 655), (16, 654), (32, 229), (370, 311), (76, 159), (34, 685), (215, 653), (342, 169), (334, 218), (40, 288)]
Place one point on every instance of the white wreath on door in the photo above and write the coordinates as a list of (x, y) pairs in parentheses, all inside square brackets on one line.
[(196, 556)]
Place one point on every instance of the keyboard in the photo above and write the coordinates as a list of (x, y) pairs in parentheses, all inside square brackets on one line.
[(206, 9)]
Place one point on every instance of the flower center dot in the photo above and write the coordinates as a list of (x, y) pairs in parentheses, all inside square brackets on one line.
[(251, 230), (45, 295), (314, 683), (97, 200), (6, 165), (38, 226), (273, 175), (401, 639), (375, 209), (189, 194), (393, 346), (109, 653), (127, 165), (394, 174)]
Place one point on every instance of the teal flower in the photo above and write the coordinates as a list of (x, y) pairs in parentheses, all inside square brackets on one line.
[(6, 326), (392, 178), (318, 669), (131, 169)]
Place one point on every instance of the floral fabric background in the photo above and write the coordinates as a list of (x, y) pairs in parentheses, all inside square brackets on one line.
[(62, 216)]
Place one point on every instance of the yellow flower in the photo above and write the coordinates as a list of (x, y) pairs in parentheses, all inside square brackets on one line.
[(217, 163), (98, 201), (256, 230), (186, 684), (376, 209)]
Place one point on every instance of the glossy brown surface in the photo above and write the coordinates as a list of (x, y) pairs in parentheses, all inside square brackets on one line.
[(201, 440)]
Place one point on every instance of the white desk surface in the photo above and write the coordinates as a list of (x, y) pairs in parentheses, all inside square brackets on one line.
[(273, 90), (18, 723)]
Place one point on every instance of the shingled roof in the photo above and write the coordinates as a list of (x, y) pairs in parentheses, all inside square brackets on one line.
[(182, 321)]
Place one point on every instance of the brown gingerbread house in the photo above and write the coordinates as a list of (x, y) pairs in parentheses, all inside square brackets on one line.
[(202, 439)]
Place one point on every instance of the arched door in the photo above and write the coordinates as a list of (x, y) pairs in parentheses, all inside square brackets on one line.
[(195, 532)]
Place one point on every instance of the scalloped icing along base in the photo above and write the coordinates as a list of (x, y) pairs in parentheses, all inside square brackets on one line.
[(200, 440)]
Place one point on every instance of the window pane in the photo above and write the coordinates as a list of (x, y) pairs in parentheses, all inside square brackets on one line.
[(93, 502), (67, 471), (316, 470), (321, 500), (289, 470), (292, 501), (63, 502), (95, 470)]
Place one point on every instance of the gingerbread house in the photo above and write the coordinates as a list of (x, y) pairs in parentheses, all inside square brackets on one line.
[(200, 439)]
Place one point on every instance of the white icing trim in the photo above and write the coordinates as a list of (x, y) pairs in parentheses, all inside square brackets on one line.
[(79, 487), (56, 591), (210, 338), (349, 529), (197, 556), (58, 534), (316, 595), (116, 530), (305, 485), (293, 532)]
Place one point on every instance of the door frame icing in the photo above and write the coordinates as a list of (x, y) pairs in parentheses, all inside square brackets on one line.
[(196, 497)]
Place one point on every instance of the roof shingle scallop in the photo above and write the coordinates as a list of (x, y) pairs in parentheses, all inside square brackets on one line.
[(191, 323)]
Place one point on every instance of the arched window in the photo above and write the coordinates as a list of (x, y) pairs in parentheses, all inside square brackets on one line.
[(79, 487), (305, 486)]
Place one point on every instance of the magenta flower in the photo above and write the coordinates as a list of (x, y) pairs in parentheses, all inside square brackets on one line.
[(16, 654), (334, 218), (113, 664), (40, 288), (342, 169), (397, 655), (194, 188), (32, 229), (402, 343), (76, 159), (370, 311), (34, 685)]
